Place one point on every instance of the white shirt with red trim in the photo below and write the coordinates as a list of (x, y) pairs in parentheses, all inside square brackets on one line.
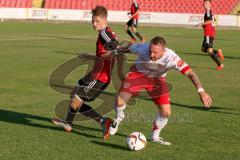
[(159, 67)]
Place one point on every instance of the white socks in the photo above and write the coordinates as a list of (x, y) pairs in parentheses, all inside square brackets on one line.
[(119, 112), (158, 124)]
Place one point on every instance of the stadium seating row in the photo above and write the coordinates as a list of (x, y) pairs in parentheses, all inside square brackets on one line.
[(171, 6), (16, 3)]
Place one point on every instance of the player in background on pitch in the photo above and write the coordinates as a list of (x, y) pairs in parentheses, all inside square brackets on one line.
[(133, 22), (149, 73), (91, 85), (209, 35)]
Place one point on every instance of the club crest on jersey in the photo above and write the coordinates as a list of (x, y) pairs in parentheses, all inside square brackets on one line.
[(126, 85), (180, 63)]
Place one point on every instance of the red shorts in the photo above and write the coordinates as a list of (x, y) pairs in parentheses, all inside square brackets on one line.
[(156, 87)]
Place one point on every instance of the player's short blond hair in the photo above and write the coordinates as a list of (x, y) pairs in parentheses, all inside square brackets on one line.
[(100, 11)]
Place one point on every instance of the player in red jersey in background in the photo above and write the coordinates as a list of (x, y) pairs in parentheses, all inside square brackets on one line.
[(209, 35), (91, 85), (133, 22)]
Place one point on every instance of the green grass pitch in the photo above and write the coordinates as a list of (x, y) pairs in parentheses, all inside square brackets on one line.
[(30, 52)]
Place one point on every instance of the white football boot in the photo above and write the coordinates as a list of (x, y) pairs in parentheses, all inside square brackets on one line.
[(160, 140), (114, 127), (62, 123)]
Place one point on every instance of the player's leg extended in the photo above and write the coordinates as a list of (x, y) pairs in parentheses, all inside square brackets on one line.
[(220, 54), (75, 102), (129, 23), (217, 52), (134, 30), (214, 56), (120, 105), (160, 95), (77, 105), (89, 90), (159, 123), (207, 47), (88, 111)]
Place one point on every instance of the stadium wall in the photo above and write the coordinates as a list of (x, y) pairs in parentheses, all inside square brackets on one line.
[(114, 16)]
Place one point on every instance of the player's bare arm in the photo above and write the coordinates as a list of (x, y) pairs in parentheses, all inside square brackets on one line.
[(194, 78), (117, 51), (204, 23), (205, 98), (134, 15)]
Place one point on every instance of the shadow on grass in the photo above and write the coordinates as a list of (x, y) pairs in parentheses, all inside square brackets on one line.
[(205, 54), (26, 119), (94, 129), (70, 53), (110, 145), (212, 109)]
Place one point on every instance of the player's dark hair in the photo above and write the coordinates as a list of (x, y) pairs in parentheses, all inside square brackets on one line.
[(100, 11), (158, 40), (208, 0)]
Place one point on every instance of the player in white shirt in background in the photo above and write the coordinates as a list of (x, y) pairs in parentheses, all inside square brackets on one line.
[(148, 72)]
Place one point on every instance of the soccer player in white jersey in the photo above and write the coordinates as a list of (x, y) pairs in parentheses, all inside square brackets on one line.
[(148, 72)]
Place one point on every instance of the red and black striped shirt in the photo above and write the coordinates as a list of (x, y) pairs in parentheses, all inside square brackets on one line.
[(134, 9), (102, 68), (209, 29)]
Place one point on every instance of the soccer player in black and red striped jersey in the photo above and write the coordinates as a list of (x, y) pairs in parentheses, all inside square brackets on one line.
[(90, 86), (209, 35), (133, 22)]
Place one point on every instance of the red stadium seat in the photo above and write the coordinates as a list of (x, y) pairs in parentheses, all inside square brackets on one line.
[(47, 4), (74, 4), (79, 4), (24, 4), (63, 4), (13, 3), (19, 3), (68, 4), (177, 6), (57, 4), (7, 3), (29, 4), (53, 4)]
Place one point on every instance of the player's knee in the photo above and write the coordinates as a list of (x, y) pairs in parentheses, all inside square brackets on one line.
[(134, 30), (120, 102), (76, 102), (210, 50), (126, 28), (166, 113), (165, 110)]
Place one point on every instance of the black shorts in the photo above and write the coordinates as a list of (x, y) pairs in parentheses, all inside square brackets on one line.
[(89, 89), (132, 22), (208, 42)]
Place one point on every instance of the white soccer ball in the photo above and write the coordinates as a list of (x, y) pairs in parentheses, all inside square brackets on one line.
[(136, 141)]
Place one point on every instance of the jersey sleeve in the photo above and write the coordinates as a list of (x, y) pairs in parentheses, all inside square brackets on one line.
[(178, 64), (138, 48), (133, 48), (109, 39)]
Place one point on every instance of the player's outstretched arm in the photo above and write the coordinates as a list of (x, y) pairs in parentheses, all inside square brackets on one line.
[(204, 23), (118, 50), (204, 97)]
